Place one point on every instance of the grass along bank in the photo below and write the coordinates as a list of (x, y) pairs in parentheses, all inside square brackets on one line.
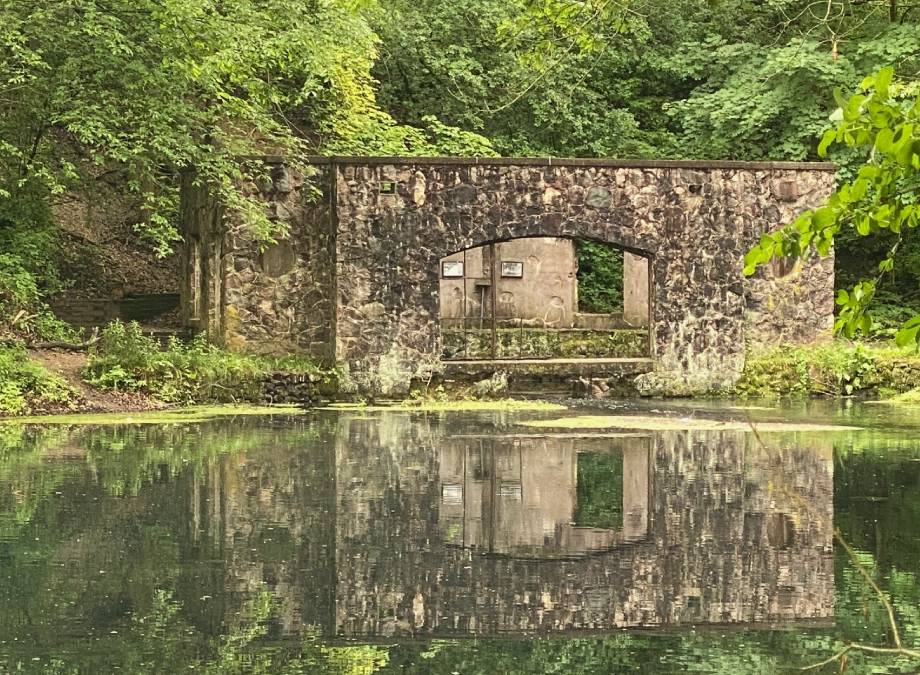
[(137, 373), (193, 372), (840, 368)]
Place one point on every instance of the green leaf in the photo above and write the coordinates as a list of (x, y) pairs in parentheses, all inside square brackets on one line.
[(884, 140), (827, 139), (909, 334), (883, 80)]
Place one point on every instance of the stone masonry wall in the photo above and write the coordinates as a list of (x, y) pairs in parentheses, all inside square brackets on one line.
[(695, 222), (275, 298), (356, 281), (791, 302)]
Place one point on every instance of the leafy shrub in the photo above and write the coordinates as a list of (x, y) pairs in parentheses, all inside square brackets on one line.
[(129, 360), (25, 276), (21, 309), (26, 386)]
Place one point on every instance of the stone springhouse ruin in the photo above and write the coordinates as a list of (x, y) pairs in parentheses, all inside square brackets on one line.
[(357, 281)]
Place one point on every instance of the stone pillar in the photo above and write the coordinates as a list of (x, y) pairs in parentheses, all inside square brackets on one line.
[(635, 290), (201, 258)]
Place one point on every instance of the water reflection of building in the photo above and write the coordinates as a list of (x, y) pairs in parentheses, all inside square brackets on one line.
[(517, 495), (416, 530)]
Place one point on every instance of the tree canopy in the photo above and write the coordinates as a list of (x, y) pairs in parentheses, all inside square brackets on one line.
[(132, 92)]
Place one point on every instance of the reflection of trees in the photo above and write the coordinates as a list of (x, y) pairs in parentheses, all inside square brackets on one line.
[(160, 640), (26, 477), (599, 490), (878, 508), (107, 521)]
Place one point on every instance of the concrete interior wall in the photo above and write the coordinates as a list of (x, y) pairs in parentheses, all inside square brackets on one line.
[(547, 291), (635, 290)]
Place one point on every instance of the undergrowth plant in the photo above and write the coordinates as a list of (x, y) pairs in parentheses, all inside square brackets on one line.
[(835, 369), (26, 386), (182, 372)]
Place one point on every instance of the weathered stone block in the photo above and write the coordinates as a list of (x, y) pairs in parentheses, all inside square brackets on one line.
[(598, 198)]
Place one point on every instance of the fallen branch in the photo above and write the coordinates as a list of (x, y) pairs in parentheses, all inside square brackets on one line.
[(71, 346), (899, 649)]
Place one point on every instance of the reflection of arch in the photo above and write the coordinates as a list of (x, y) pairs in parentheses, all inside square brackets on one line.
[(518, 495)]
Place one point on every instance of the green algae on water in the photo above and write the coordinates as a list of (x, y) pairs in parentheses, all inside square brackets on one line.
[(501, 405), (662, 423), (177, 415)]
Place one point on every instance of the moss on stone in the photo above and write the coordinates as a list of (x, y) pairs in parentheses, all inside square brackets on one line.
[(545, 343), (908, 398), (836, 369)]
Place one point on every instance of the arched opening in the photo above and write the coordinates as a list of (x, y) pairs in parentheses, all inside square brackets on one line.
[(544, 298)]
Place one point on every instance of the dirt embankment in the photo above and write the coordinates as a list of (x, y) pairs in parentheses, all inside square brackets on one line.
[(69, 365), (100, 256), (100, 253)]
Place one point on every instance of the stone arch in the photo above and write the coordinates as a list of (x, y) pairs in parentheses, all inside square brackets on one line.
[(616, 237)]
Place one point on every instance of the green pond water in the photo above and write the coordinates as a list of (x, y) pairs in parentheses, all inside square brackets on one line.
[(358, 542)]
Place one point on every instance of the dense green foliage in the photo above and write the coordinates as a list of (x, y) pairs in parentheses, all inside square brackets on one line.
[(600, 277), (193, 372), (25, 277), (136, 91), (150, 88), (735, 80)]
